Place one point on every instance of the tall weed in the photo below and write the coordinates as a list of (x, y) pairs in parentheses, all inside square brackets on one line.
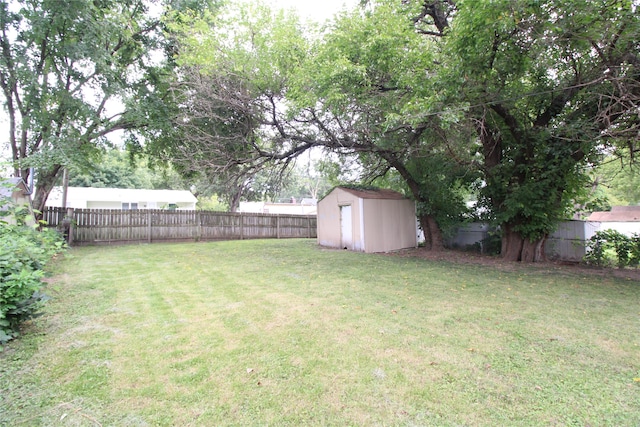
[(612, 247)]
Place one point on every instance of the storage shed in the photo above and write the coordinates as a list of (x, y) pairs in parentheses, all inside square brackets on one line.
[(366, 220)]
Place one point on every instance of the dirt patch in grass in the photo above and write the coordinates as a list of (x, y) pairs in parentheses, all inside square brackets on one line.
[(474, 258)]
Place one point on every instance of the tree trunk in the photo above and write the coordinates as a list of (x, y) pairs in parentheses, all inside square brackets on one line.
[(432, 234), (234, 201), (517, 248), (46, 181)]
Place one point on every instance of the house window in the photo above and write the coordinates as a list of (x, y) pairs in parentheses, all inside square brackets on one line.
[(127, 206), (173, 206)]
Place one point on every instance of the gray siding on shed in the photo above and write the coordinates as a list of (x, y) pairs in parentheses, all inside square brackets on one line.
[(568, 242)]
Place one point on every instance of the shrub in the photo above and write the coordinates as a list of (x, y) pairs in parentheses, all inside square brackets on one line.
[(24, 251), (492, 244), (609, 246)]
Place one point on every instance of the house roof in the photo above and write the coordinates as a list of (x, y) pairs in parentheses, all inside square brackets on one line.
[(374, 193), (9, 185), (125, 195), (617, 214)]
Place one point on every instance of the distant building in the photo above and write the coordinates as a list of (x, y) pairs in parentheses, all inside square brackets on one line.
[(304, 207), (123, 198), (625, 219), (19, 194)]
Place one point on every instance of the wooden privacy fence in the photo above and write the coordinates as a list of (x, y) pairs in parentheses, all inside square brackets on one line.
[(108, 226)]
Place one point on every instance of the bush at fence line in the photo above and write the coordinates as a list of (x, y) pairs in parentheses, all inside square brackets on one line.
[(609, 247), (492, 244), (24, 251)]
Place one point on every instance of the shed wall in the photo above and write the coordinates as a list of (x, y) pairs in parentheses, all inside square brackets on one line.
[(568, 242), (329, 219), (389, 225)]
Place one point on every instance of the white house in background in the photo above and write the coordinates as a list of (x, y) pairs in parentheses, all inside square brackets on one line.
[(123, 198), (624, 219), (304, 207)]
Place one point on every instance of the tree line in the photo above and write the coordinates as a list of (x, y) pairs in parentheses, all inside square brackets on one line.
[(511, 103)]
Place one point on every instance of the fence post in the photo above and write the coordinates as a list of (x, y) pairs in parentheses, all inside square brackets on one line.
[(198, 226), (277, 226), (308, 227), (59, 212), (241, 227), (149, 226), (71, 219)]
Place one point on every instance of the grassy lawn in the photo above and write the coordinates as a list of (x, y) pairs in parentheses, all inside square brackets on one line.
[(285, 333)]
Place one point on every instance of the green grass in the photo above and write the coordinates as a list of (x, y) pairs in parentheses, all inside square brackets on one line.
[(285, 333)]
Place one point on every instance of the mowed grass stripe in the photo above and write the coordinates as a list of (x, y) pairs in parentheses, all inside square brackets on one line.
[(286, 333)]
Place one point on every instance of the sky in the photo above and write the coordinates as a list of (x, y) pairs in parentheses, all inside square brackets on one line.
[(318, 10)]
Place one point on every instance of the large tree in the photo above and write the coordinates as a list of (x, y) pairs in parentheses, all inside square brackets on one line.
[(528, 94), (262, 94), (71, 73), (369, 71), (116, 168), (548, 85), (617, 181)]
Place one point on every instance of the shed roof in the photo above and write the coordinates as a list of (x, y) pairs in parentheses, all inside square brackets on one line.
[(617, 214), (374, 193), (8, 186)]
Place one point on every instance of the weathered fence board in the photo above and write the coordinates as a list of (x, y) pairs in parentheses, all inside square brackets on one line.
[(105, 226)]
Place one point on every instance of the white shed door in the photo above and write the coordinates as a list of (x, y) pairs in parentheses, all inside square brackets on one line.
[(346, 227)]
